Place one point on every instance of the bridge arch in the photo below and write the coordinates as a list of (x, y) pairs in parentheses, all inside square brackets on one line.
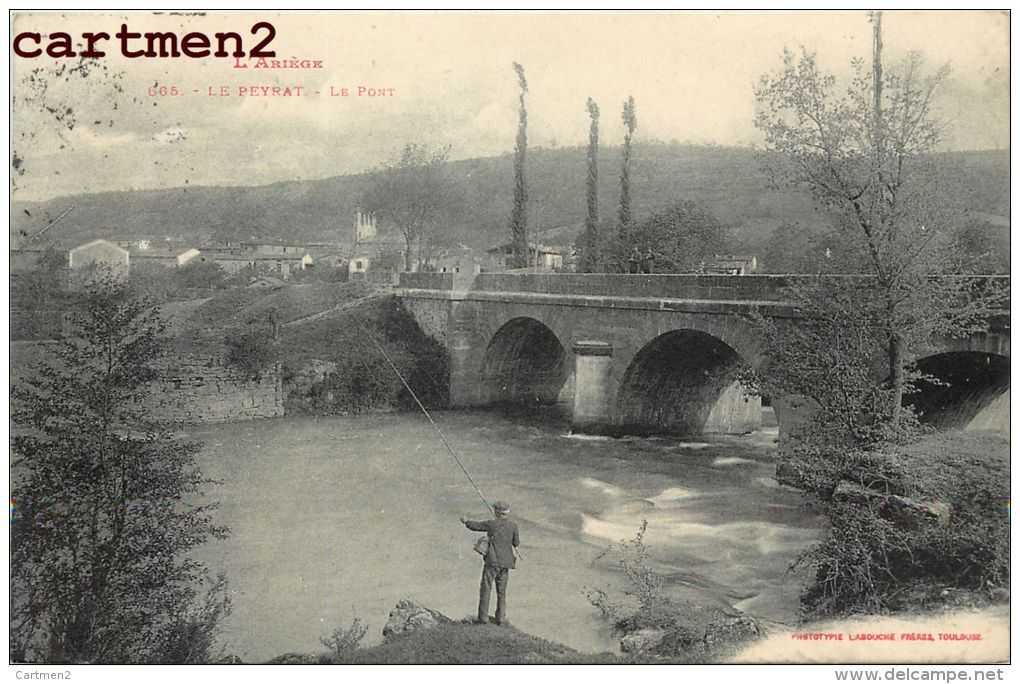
[(524, 363), (686, 381), (970, 389)]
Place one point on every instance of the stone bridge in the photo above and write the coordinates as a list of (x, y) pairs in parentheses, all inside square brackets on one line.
[(641, 353)]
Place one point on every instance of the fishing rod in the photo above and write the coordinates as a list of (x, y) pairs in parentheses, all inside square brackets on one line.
[(424, 410)]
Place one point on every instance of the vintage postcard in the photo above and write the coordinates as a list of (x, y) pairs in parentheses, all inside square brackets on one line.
[(534, 337)]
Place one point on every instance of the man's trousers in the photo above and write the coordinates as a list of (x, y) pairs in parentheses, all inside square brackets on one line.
[(500, 576)]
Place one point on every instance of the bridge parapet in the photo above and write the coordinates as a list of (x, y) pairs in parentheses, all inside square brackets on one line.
[(681, 286), (626, 289)]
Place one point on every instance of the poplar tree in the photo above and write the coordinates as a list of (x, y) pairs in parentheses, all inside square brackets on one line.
[(519, 215), (591, 236), (629, 117)]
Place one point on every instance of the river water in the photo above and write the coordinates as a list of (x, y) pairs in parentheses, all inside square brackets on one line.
[(342, 516)]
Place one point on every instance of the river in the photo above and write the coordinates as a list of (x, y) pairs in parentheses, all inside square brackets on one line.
[(341, 516)]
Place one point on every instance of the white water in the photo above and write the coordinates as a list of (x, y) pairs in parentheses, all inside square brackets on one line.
[(334, 516)]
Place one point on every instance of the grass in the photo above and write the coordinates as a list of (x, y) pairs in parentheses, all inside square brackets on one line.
[(459, 643), (238, 306)]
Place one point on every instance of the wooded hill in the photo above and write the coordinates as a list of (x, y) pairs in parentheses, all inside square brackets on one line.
[(727, 182)]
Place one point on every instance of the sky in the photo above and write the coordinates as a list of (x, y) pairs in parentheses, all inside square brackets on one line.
[(448, 80)]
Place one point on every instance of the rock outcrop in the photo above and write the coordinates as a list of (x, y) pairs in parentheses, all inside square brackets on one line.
[(642, 641), (408, 616)]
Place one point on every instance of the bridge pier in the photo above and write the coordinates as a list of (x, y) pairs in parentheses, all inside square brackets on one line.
[(592, 385)]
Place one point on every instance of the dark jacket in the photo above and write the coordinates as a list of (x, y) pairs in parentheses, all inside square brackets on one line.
[(503, 537)]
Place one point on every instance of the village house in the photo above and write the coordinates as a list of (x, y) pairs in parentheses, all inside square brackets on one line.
[(541, 257), (461, 260), (102, 253), (281, 260), (169, 254), (728, 264)]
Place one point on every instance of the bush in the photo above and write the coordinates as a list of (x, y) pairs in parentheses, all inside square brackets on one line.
[(201, 275), (871, 562), (645, 606), (250, 350), (343, 641), (363, 379)]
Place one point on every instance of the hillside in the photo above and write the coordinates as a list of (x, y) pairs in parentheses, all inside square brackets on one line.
[(728, 182)]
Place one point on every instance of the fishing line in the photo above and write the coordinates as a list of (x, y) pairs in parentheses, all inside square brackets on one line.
[(423, 410)]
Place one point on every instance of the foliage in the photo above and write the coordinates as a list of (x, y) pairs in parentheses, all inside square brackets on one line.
[(39, 297), (982, 248), (252, 349), (105, 501), (645, 605), (519, 213), (814, 249), (675, 239), (629, 118), (413, 193), (865, 152), (363, 379), (590, 251), (244, 275), (154, 282), (201, 275), (343, 641), (320, 274), (872, 561), (831, 356)]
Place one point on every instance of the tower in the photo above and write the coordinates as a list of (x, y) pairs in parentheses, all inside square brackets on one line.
[(364, 227)]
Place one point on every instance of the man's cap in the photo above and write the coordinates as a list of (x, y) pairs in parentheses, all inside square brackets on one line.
[(501, 507)]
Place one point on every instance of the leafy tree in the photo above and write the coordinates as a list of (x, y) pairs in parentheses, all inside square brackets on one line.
[(251, 350), (809, 249), (629, 117), (983, 248), (590, 254), (154, 282), (201, 274), (519, 214), (105, 501), (413, 193), (677, 238), (864, 149), (41, 287)]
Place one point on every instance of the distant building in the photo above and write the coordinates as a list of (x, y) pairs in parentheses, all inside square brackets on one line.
[(729, 264), (462, 260), (541, 257), (327, 255), (100, 253), (270, 258), (282, 265), (170, 255), (274, 248), (364, 227), (359, 263), (373, 256)]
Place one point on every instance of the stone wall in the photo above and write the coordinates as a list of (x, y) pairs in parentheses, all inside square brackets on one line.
[(200, 389)]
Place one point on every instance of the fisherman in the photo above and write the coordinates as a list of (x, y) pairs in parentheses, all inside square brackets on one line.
[(499, 560)]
